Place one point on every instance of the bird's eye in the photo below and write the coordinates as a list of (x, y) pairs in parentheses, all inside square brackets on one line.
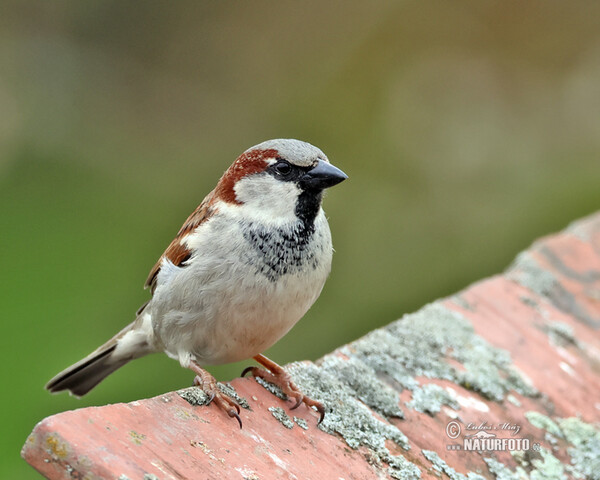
[(283, 168)]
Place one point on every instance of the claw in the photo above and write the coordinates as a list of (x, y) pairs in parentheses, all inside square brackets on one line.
[(299, 399), (207, 382), (278, 376), (237, 417), (322, 416)]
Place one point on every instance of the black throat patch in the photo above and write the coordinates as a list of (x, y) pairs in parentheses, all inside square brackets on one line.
[(283, 250), (308, 206)]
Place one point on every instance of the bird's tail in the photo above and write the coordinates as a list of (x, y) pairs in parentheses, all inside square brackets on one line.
[(84, 375)]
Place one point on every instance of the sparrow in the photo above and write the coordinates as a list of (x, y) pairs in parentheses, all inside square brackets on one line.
[(245, 266)]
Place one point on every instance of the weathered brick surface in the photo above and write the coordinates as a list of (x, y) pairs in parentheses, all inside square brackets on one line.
[(519, 350)]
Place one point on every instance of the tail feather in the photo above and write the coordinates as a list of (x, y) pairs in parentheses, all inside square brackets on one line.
[(81, 377), (84, 375)]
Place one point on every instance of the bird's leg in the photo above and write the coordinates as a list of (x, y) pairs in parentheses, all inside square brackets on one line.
[(276, 375), (208, 384)]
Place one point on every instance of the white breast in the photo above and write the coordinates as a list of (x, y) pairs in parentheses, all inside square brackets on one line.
[(245, 287)]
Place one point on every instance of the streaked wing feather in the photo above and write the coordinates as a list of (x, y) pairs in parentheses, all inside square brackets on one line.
[(177, 252)]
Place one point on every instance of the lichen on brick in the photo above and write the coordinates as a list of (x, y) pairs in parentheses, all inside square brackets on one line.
[(441, 466), (430, 398), (544, 422), (400, 468), (502, 472), (195, 396), (301, 423), (421, 343), (544, 467), (56, 446), (584, 438), (548, 467), (585, 453), (346, 415), (526, 271), (279, 414), (271, 387), (137, 438), (561, 334), (583, 227), (365, 385), (228, 389), (364, 378)]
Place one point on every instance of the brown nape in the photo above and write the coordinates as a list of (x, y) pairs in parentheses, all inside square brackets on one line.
[(254, 161)]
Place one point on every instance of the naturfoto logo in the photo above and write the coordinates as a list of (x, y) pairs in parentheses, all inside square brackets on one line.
[(484, 437)]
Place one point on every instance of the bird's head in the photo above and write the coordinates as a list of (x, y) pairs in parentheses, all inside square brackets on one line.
[(280, 180)]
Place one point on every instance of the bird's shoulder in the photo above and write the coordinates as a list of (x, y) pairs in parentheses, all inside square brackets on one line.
[(178, 252)]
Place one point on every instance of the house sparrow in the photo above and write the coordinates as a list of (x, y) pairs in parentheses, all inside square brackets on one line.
[(245, 266)]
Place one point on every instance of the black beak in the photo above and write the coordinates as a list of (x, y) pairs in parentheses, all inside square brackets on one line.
[(323, 175)]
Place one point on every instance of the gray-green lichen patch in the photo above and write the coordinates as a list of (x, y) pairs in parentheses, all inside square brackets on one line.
[(360, 384), (350, 417), (421, 344), (514, 400), (430, 398), (584, 438), (502, 472), (345, 415), (585, 453), (283, 417), (301, 423), (274, 389), (544, 422), (441, 466), (228, 390), (546, 467), (561, 334), (195, 396), (363, 382), (400, 468), (526, 271), (150, 476), (584, 227)]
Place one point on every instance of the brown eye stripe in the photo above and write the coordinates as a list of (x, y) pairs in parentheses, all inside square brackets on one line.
[(254, 161)]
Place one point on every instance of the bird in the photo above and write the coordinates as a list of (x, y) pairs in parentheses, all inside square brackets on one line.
[(246, 265)]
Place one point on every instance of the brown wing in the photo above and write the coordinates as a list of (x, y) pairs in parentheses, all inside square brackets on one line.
[(177, 252)]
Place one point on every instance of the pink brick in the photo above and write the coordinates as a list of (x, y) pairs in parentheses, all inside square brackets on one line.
[(544, 312)]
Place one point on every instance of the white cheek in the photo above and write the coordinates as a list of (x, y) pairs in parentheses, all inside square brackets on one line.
[(265, 198)]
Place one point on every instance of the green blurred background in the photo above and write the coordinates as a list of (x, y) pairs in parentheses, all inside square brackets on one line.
[(468, 129)]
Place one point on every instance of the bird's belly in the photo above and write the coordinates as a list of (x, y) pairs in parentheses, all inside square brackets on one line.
[(250, 327), (214, 325)]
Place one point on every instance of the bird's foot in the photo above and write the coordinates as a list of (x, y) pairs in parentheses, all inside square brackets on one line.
[(208, 384), (276, 375)]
